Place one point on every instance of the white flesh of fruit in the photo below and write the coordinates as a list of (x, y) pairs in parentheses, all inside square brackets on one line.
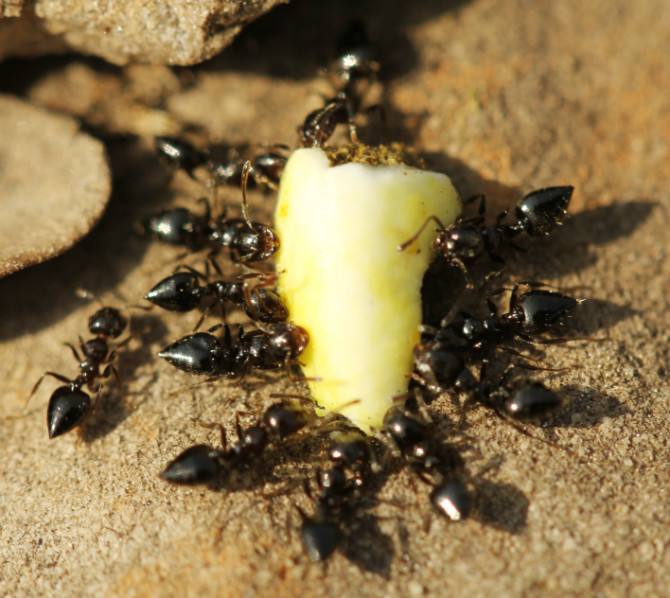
[(344, 280)]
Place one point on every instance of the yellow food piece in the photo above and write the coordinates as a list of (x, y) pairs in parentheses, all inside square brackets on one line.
[(344, 280)]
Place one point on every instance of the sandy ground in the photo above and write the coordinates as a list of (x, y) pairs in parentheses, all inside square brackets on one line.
[(505, 97)]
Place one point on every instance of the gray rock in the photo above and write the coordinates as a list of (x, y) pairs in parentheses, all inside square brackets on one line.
[(148, 31), (54, 184)]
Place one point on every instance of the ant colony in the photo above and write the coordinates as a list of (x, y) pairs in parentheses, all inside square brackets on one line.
[(356, 229)]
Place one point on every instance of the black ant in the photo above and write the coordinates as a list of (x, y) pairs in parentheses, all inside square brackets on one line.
[(180, 154), (69, 404), (247, 241), (530, 314), (340, 488), (440, 466), (355, 55), (183, 291), (203, 353), (537, 214), (319, 125), (441, 360), (202, 464), (354, 64), (266, 168)]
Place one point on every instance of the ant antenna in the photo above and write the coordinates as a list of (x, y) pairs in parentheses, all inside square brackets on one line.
[(416, 235), (247, 169)]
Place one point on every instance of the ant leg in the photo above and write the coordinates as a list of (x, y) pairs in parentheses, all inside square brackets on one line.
[(519, 428), (214, 426), (74, 351), (514, 298), (353, 131), (207, 212), (201, 319), (501, 217), (481, 210), (458, 263), (122, 343), (473, 198), (493, 311), (184, 267), (59, 377), (302, 378), (381, 110), (111, 370), (216, 327), (416, 235), (426, 329), (215, 265)]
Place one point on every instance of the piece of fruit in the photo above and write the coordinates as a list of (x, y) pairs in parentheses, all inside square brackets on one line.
[(344, 280)]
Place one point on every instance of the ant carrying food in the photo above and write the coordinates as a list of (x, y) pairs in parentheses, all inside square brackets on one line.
[(205, 354), (537, 214), (182, 291), (69, 404), (202, 464), (247, 241)]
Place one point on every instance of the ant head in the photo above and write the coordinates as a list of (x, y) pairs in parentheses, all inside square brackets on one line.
[(107, 321), (464, 242), (293, 338)]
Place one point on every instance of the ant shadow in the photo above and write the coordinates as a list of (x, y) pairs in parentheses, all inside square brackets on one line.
[(587, 407), (365, 544), (114, 406), (573, 247), (501, 506), (295, 40), (43, 294), (368, 547)]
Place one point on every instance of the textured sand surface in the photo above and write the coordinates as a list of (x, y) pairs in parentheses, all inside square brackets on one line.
[(505, 97)]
